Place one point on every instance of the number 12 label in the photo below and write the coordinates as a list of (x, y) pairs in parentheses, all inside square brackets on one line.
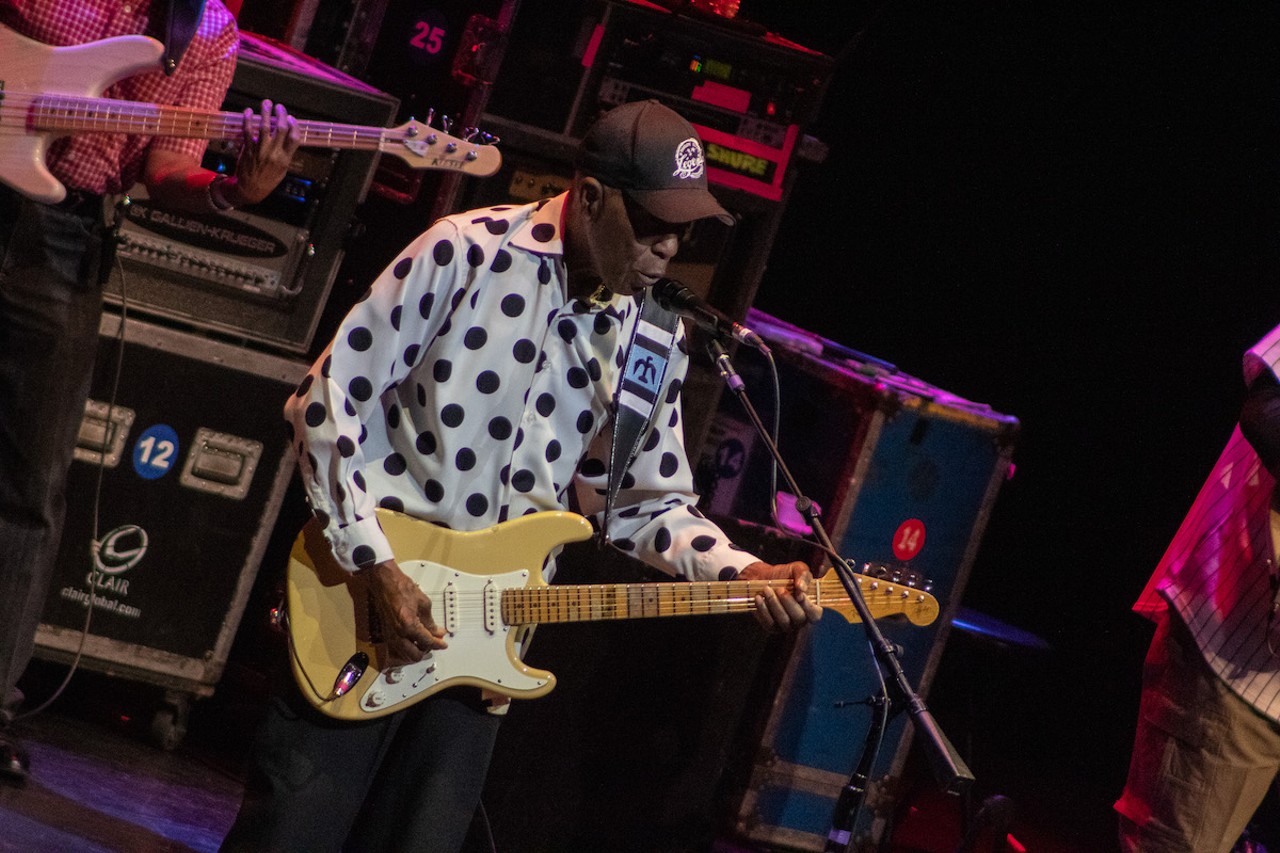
[(155, 451)]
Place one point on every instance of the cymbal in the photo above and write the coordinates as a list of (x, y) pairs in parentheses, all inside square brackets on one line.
[(988, 627)]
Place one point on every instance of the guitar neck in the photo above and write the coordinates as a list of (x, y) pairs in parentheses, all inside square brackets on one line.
[(72, 114), (598, 602)]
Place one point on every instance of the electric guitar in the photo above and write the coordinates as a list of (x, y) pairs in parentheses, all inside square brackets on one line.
[(47, 92), (486, 586)]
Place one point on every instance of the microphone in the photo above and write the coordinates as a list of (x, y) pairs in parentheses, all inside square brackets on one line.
[(677, 298)]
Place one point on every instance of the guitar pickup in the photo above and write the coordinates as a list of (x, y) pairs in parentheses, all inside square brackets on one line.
[(450, 596), (492, 607)]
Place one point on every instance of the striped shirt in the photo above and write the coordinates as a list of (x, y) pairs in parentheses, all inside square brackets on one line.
[(1218, 571), (111, 163)]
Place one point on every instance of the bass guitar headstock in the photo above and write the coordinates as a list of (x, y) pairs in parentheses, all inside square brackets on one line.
[(422, 146)]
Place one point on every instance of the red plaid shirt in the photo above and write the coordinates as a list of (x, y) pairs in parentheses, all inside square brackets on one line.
[(111, 163)]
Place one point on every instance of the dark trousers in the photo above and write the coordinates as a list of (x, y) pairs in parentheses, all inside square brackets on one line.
[(50, 304), (406, 782)]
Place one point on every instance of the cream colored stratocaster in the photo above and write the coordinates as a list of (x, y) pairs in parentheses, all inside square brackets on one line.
[(47, 92), (484, 587)]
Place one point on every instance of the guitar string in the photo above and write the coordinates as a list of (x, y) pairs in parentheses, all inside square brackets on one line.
[(637, 594), (567, 603), (88, 115), (144, 119)]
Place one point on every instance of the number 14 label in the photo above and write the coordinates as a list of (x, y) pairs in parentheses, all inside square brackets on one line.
[(908, 539)]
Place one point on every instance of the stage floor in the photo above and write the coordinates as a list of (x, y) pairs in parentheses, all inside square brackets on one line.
[(97, 786), (100, 784)]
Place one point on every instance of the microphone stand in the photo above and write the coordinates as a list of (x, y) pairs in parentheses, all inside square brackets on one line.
[(948, 767)]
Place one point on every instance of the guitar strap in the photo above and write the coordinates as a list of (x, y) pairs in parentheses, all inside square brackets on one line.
[(636, 400), (180, 29)]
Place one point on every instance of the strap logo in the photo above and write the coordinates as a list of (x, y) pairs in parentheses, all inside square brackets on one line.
[(645, 372)]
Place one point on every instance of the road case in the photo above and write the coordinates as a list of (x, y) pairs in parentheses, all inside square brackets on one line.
[(906, 474), (193, 463)]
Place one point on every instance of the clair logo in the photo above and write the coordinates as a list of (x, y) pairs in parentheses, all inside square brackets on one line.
[(121, 550)]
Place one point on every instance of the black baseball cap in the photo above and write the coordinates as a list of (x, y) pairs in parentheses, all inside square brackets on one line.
[(652, 154)]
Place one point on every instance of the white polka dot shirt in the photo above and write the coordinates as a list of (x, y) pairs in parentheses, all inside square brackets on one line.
[(467, 389)]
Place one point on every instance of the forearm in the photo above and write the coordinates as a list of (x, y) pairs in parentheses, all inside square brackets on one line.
[(191, 188)]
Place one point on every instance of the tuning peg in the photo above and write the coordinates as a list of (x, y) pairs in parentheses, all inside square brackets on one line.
[(446, 124), (431, 114), (476, 136)]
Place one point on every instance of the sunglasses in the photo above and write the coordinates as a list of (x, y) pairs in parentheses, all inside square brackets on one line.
[(649, 227)]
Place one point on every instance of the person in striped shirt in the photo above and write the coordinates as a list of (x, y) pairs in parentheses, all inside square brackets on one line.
[(53, 260), (1207, 747)]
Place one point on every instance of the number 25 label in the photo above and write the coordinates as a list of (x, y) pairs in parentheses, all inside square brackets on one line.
[(428, 37), (155, 451)]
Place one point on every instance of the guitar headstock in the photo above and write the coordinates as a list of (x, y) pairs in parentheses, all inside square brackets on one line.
[(888, 591), (422, 146)]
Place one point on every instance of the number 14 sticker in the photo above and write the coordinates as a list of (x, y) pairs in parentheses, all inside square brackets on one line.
[(908, 540), (155, 451)]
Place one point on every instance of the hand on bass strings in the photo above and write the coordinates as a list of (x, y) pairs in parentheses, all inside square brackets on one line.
[(271, 137)]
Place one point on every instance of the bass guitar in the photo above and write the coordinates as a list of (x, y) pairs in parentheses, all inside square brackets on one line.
[(485, 587), (47, 92)]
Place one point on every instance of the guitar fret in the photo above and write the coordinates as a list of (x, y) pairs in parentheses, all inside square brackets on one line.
[(680, 599), (597, 602), (716, 598), (635, 600)]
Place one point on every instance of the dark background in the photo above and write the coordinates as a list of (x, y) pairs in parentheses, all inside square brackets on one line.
[(1067, 211)]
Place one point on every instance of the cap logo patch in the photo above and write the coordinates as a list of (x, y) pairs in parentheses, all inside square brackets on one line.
[(689, 160)]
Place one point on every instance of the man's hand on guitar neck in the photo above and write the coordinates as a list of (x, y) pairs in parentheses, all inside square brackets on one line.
[(788, 610), (270, 140), (405, 613)]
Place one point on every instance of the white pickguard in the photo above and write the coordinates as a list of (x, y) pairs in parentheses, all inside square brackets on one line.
[(481, 648)]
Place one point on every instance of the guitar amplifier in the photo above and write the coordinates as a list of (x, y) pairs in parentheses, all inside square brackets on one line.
[(192, 465), (750, 93), (240, 251), (261, 273)]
